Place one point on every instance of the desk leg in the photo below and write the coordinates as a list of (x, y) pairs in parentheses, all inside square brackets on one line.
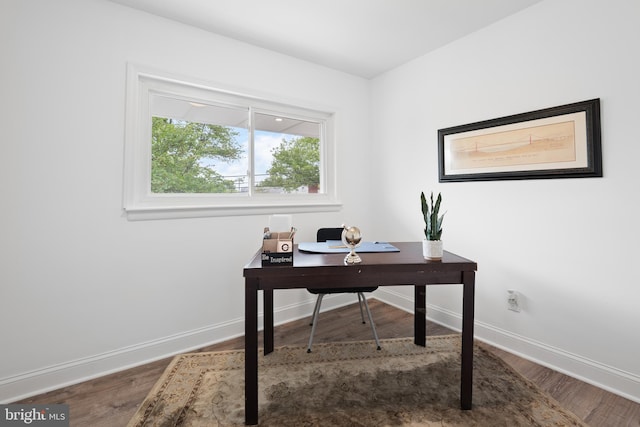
[(468, 281), (251, 352), (420, 315), (268, 321)]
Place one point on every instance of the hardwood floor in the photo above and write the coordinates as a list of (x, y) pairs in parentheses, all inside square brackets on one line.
[(112, 400)]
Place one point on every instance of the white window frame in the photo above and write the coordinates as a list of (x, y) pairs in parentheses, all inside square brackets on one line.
[(140, 203)]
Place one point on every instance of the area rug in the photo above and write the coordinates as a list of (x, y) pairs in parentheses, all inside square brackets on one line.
[(349, 384)]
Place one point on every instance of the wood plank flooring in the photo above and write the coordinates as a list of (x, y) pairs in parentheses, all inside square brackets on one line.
[(112, 400)]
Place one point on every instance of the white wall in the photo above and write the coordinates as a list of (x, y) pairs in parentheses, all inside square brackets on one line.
[(567, 245), (83, 290)]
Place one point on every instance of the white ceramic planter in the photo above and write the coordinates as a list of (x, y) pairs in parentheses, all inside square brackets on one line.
[(432, 249)]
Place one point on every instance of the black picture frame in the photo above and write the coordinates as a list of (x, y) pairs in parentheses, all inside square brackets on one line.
[(556, 142)]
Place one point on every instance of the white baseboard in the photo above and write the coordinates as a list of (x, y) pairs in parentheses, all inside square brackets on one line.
[(24, 385), (616, 381), (42, 380)]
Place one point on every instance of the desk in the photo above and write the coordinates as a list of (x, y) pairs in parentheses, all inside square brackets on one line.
[(407, 267)]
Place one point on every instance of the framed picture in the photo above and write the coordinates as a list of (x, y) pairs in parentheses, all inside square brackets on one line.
[(557, 142)]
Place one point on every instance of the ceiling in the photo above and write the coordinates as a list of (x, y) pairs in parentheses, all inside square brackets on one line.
[(360, 37)]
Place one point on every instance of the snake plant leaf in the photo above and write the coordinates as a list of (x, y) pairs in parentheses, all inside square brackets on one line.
[(425, 207), (433, 221)]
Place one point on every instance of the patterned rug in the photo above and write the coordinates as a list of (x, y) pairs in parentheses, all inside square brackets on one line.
[(349, 384)]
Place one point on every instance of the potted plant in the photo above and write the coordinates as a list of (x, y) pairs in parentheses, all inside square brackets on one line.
[(432, 245)]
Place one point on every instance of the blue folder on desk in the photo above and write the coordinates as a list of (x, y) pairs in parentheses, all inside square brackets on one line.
[(336, 247)]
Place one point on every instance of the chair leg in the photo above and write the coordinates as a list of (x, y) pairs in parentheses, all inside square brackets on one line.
[(360, 298), (315, 308), (314, 320), (373, 327)]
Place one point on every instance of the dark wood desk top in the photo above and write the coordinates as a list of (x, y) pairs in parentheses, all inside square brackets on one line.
[(311, 266)]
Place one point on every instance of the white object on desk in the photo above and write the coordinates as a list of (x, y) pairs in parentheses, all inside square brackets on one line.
[(280, 222)]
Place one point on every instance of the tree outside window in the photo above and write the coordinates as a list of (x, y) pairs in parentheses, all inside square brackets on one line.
[(296, 164), (181, 156)]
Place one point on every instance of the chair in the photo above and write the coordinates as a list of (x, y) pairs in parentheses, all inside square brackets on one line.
[(323, 235)]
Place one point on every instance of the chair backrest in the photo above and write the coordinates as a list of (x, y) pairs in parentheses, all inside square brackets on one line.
[(325, 234)]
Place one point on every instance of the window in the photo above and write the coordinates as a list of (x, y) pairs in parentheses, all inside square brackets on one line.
[(194, 150)]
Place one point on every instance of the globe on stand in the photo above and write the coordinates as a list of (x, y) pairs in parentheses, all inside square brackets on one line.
[(351, 237)]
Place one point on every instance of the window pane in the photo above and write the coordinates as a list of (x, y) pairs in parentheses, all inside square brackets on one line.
[(287, 154), (197, 147)]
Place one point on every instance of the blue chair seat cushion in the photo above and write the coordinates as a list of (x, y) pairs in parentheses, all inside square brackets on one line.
[(341, 290)]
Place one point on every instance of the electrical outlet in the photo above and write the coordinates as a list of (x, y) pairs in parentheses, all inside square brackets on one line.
[(513, 300)]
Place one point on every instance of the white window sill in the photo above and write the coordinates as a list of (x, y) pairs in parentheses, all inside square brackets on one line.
[(143, 213)]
